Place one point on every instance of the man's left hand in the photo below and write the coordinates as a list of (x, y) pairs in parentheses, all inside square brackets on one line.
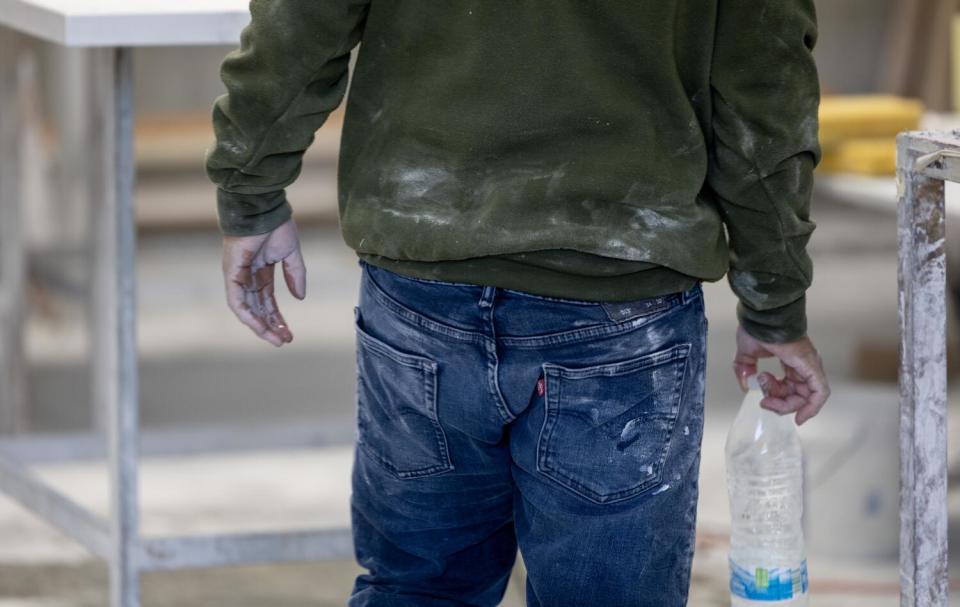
[(802, 390)]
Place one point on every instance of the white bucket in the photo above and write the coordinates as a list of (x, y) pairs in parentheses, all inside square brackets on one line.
[(852, 472)]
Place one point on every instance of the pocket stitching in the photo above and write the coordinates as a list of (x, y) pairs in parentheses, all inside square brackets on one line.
[(406, 359), (680, 351), (428, 371), (611, 329), (624, 366)]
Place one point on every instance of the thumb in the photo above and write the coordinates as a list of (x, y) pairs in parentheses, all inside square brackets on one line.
[(295, 273)]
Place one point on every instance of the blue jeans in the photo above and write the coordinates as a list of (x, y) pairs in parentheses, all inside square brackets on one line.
[(490, 419)]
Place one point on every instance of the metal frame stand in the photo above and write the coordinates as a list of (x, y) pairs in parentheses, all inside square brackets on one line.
[(115, 384), (925, 161)]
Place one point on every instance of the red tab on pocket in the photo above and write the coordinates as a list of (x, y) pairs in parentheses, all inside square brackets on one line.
[(540, 386)]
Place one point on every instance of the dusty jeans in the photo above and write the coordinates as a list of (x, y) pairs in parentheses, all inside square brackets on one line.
[(489, 418)]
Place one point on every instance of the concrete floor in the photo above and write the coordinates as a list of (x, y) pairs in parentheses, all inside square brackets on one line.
[(200, 367)]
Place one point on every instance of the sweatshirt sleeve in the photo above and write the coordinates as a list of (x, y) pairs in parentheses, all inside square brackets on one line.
[(289, 73), (765, 98)]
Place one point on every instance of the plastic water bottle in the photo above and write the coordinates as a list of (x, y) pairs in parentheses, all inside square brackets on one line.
[(765, 482)]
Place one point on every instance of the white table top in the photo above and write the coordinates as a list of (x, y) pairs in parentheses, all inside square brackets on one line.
[(128, 22)]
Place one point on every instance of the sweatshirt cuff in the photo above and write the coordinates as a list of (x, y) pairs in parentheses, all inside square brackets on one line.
[(777, 325), (249, 214)]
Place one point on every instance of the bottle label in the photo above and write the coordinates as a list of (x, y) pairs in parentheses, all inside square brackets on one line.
[(759, 583)]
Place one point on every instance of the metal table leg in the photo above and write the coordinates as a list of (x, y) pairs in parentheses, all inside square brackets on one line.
[(115, 378)]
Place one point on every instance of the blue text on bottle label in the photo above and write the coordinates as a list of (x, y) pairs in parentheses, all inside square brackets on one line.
[(759, 583)]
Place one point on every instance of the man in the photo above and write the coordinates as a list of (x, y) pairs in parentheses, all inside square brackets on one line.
[(535, 191)]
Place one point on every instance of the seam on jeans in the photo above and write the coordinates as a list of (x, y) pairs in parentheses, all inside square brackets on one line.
[(420, 320), (678, 352), (693, 292), (430, 379), (549, 421), (584, 334), (493, 372), (492, 376)]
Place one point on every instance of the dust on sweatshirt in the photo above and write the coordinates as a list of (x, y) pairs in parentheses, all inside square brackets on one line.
[(592, 149)]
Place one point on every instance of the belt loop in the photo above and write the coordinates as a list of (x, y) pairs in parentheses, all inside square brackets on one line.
[(486, 298), (691, 293)]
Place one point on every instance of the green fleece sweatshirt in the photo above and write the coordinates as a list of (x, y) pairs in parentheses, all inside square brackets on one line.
[(586, 149)]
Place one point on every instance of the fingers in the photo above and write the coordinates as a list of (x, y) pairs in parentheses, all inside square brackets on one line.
[(295, 274), (796, 380), (261, 298), (749, 351), (780, 396), (242, 298), (805, 372), (256, 306), (819, 392), (803, 389), (774, 387), (783, 406), (270, 311), (240, 304), (744, 365), (742, 370), (248, 269)]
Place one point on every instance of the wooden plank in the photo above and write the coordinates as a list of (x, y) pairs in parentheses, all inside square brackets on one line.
[(21, 484), (922, 379), (241, 549)]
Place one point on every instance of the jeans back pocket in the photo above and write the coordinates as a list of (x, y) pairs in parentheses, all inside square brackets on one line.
[(608, 427), (397, 422)]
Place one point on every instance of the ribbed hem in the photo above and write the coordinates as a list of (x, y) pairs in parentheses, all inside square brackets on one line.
[(249, 214), (778, 325)]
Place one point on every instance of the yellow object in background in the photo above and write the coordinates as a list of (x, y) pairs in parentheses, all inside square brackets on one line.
[(868, 156), (853, 116), (858, 132)]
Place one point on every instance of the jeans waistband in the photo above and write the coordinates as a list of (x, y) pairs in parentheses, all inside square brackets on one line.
[(616, 310), (624, 310)]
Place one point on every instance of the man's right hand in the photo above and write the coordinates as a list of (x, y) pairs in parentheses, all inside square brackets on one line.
[(248, 276), (804, 387)]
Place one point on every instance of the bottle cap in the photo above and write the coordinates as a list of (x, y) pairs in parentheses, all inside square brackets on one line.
[(753, 383)]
